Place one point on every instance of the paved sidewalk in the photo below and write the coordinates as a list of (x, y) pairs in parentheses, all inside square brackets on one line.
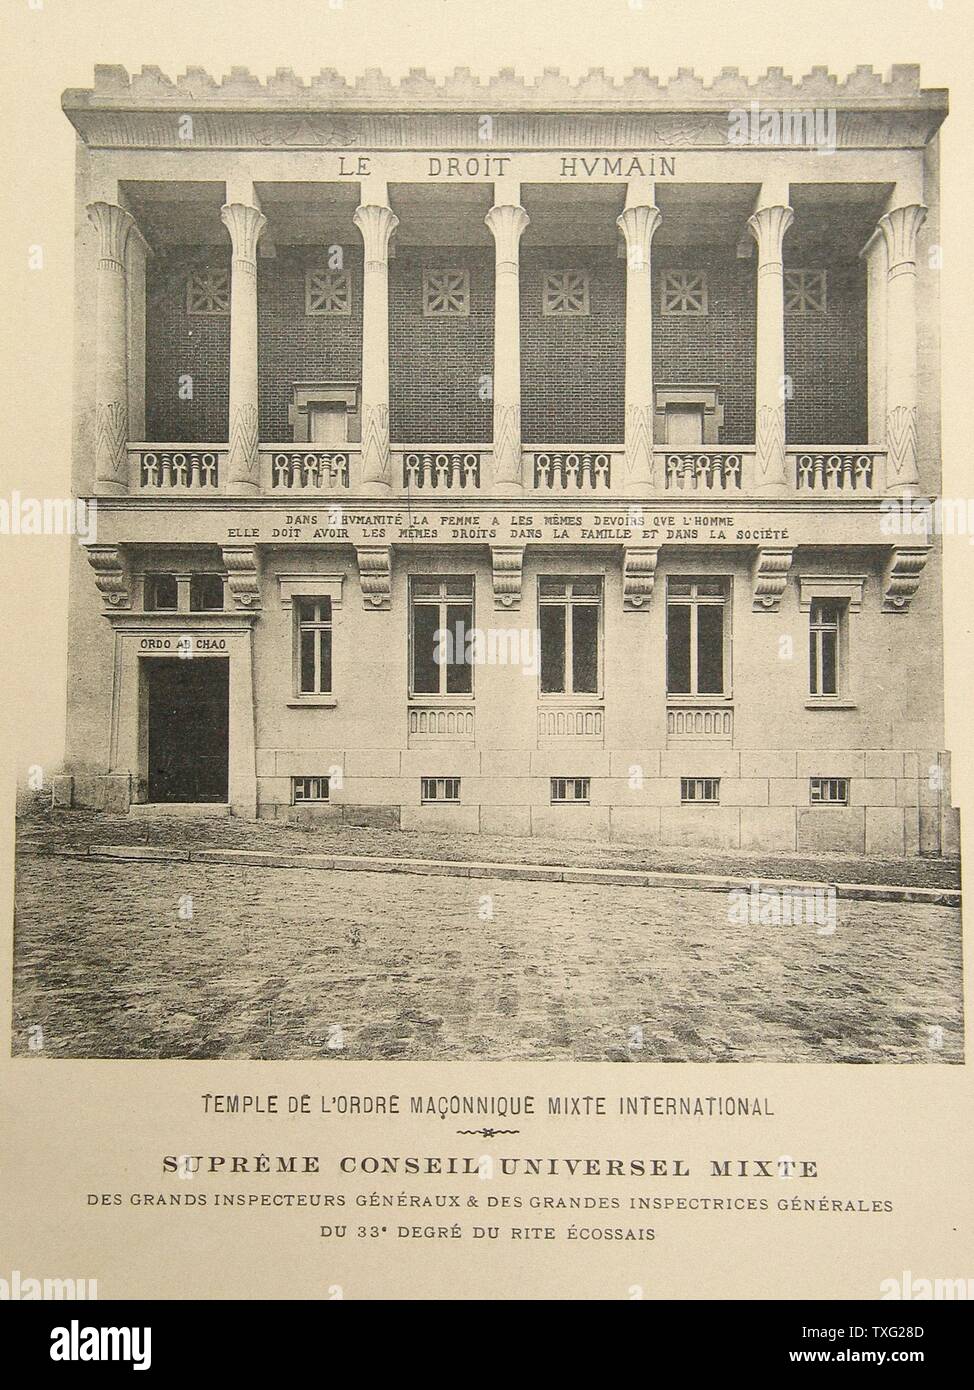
[(41, 829)]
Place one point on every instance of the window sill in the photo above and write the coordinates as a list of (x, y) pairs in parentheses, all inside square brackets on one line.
[(700, 699), (313, 702), (830, 702)]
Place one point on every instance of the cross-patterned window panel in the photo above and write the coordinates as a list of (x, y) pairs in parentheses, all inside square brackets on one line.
[(327, 292), (446, 294), (806, 291), (565, 292), (683, 292), (208, 292)]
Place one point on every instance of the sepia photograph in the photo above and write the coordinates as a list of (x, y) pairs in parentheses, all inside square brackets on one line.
[(505, 618), (485, 559)]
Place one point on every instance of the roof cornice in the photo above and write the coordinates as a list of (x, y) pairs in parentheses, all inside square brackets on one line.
[(196, 90)]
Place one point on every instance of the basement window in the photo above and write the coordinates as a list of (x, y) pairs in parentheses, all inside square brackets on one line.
[(305, 789), (577, 789), (440, 789), (831, 791), (694, 789)]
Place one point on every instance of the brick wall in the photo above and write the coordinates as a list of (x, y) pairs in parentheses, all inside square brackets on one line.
[(180, 344), (436, 363), (825, 354), (573, 367), (295, 346), (714, 348)]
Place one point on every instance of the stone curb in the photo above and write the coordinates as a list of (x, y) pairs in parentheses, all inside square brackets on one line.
[(449, 868)]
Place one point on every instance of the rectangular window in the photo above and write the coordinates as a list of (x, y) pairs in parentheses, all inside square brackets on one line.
[(314, 646), (824, 649), (565, 293), (309, 789), (160, 593), (441, 620), (570, 620), (696, 636), (440, 789), (694, 789), (205, 593), (833, 791), (570, 789)]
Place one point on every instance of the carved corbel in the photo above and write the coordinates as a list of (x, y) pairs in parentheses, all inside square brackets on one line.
[(770, 578), (111, 575), (638, 577), (506, 562), (375, 575), (903, 577), (243, 575)]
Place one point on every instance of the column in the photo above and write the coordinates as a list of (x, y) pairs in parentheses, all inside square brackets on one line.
[(113, 224), (874, 255), (768, 227), (638, 223), (377, 222), (899, 228), (507, 220), (245, 224)]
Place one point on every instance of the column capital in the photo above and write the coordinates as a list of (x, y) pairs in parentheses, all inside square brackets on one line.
[(768, 226), (899, 227), (113, 225), (245, 224), (638, 225), (506, 221), (377, 223)]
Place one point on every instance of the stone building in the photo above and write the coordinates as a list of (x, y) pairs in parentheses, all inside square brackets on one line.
[(523, 457)]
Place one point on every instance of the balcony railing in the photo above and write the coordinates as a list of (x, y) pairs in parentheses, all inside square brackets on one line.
[(302, 468), (558, 468), (441, 467), (717, 468), (835, 468), (177, 467), (706, 471)]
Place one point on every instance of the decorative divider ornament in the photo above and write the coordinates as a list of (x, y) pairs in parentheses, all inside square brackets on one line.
[(639, 577), (111, 575), (243, 575), (375, 575), (506, 563), (770, 578)]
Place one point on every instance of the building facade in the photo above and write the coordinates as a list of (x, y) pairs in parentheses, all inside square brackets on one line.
[(526, 458)]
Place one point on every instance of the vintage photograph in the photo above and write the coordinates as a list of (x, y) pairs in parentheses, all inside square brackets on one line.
[(505, 616)]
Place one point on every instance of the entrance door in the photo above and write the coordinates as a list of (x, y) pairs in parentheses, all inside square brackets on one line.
[(326, 423), (684, 425), (188, 718)]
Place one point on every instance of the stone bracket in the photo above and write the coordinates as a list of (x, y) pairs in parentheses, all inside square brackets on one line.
[(375, 575), (506, 562), (111, 575), (638, 577), (770, 577), (903, 577), (243, 575)]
